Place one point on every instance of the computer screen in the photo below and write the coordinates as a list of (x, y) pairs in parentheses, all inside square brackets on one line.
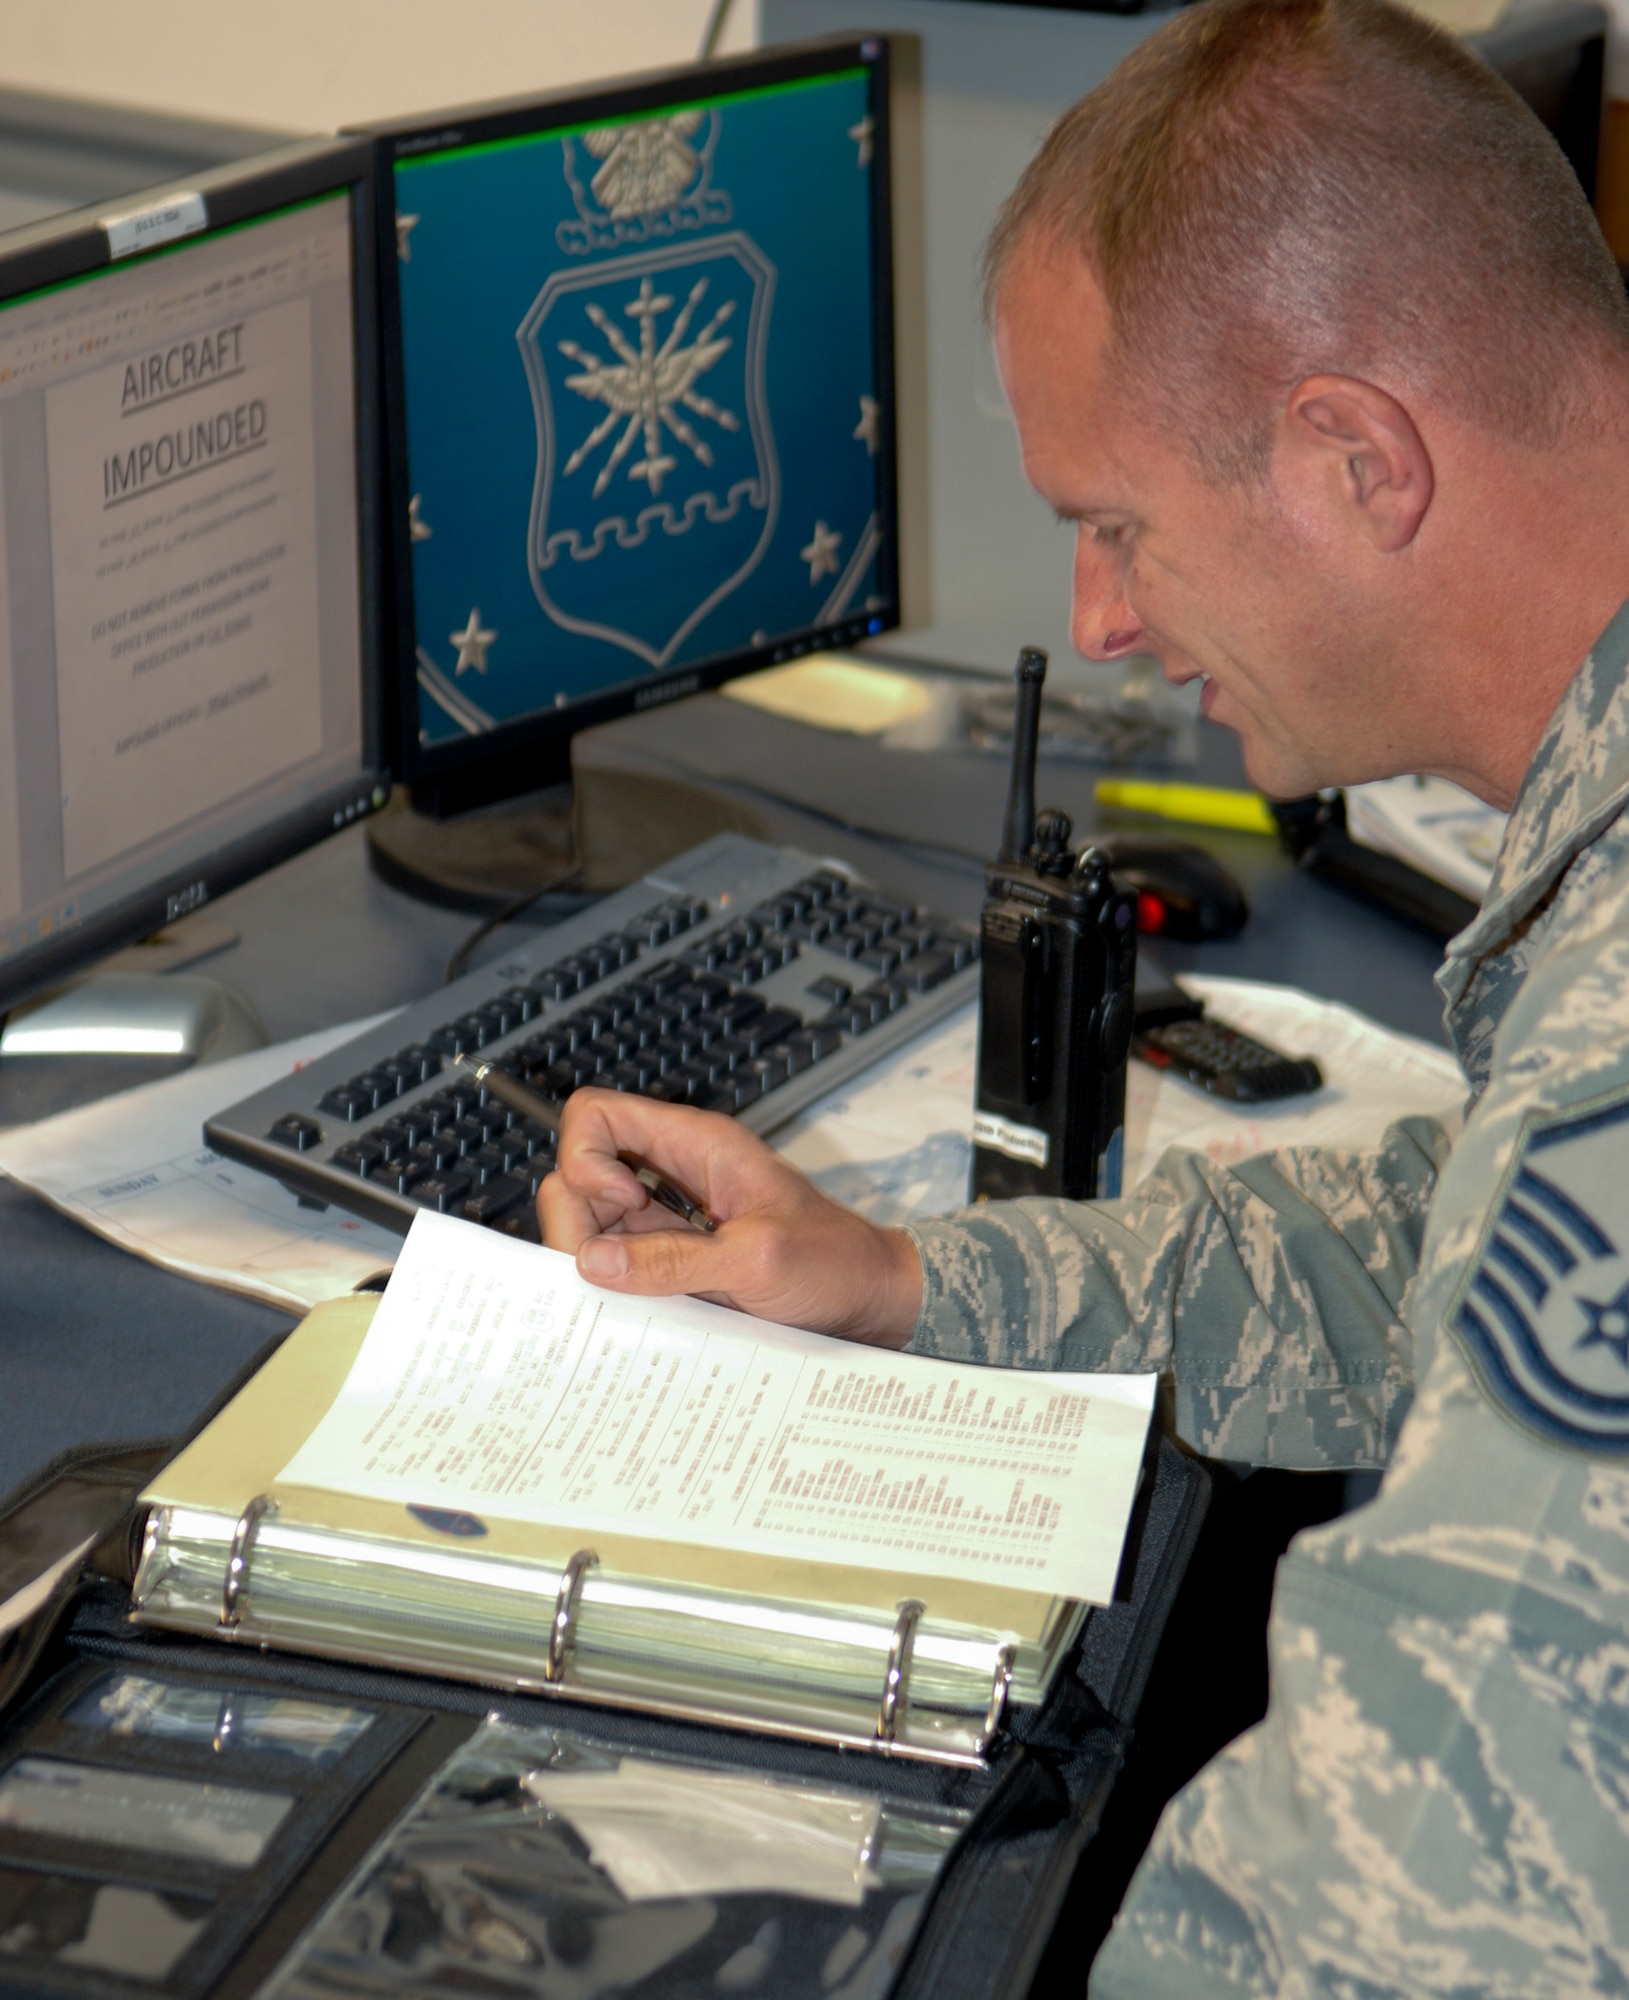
[(639, 367), (184, 611)]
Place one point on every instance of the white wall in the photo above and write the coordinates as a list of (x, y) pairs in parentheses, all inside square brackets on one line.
[(313, 65)]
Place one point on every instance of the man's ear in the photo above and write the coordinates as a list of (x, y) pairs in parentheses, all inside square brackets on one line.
[(1364, 451)]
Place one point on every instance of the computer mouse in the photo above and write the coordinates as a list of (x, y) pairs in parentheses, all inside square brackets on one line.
[(1182, 891)]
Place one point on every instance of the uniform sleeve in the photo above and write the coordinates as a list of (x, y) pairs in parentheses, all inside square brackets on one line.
[(1267, 1293)]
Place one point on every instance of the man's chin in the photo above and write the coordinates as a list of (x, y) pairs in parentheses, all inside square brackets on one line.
[(1275, 774)]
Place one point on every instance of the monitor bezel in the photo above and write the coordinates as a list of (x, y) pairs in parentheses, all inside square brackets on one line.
[(75, 245), (534, 751)]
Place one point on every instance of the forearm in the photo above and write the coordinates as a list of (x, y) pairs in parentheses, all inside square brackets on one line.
[(1268, 1293)]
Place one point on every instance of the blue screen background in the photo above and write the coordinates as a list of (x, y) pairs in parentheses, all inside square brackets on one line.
[(547, 566)]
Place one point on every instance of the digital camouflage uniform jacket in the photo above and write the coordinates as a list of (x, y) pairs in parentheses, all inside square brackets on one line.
[(1438, 1799)]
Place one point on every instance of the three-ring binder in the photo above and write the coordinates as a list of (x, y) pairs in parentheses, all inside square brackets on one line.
[(896, 1679), (237, 1563), (567, 1598)]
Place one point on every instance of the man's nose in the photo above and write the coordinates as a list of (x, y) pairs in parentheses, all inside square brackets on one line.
[(1102, 623)]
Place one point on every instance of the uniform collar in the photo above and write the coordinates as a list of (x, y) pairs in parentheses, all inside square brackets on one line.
[(1576, 785)]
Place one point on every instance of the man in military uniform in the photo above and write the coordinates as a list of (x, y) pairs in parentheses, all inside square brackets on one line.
[(1308, 331)]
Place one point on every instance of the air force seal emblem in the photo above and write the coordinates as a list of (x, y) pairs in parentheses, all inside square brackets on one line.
[(657, 481), (1544, 1313)]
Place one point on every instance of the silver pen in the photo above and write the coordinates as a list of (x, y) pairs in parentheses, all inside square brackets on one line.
[(510, 1090)]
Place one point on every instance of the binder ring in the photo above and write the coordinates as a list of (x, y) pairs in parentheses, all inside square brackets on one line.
[(899, 1668), (999, 1690), (237, 1563), (567, 1599)]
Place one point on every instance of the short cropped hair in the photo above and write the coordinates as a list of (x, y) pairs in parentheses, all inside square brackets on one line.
[(1270, 189)]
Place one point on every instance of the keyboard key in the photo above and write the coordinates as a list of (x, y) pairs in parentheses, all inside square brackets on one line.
[(469, 1133), (744, 1087), (774, 1068), (347, 1102), (832, 991), (667, 977), (422, 1059), (623, 1076), (392, 1139), (403, 1175), (769, 1027), (810, 1045), (877, 958), (359, 1156), (461, 1037), (521, 1223), (436, 1153), (728, 1053), (672, 1052), (927, 970), (540, 1141), (379, 1086), (486, 1163), (560, 981), (442, 1192), (496, 1197), (296, 1130), (732, 1014), (886, 997)]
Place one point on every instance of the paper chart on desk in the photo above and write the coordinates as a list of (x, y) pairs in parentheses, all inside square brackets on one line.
[(494, 1379), (897, 1142), (134, 1169)]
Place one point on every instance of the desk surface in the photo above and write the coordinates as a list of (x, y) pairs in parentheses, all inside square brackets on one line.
[(94, 1344)]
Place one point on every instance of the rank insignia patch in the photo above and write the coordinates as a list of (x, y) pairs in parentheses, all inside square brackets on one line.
[(1544, 1314)]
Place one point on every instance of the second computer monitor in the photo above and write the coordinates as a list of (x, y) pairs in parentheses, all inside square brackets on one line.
[(639, 375)]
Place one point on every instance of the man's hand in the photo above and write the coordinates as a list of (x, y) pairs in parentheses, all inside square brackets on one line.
[(782, 1249)]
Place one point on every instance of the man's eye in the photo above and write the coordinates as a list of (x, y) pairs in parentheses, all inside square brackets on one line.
[(1115, 537)]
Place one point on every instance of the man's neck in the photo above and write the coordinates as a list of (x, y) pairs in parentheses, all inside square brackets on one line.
[(1512, 620)]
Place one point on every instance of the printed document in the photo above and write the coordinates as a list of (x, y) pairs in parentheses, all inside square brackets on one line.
[(494, 1379)]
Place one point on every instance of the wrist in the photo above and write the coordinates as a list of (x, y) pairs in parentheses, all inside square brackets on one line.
[(893, 1317)]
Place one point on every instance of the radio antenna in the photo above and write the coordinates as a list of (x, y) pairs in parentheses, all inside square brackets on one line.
[(1018, 830)]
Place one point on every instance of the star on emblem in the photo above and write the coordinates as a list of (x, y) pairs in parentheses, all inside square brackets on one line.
[(647, 384), (1608, 1324), (863, 135), (418, 529), (821, 552), (405, 225), (866, 429), (472, 643)]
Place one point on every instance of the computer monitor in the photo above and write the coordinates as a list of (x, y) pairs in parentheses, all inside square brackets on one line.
[(187, 465), (638, 373)]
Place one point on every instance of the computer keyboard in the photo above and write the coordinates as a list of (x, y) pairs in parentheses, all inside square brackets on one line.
[(740, 977)]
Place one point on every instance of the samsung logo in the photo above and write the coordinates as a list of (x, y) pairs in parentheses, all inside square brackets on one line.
[(670, 691)]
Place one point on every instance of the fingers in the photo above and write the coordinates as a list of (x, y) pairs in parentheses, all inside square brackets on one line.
[(716, 1161)]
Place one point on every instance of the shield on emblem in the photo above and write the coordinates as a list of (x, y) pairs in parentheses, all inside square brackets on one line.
[(657, 484)]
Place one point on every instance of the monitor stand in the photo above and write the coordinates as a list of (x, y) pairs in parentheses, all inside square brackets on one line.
[(616, 824)]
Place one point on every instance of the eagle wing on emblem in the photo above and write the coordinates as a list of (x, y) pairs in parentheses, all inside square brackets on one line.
[(647, 166)]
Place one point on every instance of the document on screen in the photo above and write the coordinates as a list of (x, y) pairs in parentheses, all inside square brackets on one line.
[(184, 571)]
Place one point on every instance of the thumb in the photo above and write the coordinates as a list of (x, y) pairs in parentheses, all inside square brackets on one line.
[(664, 1260)]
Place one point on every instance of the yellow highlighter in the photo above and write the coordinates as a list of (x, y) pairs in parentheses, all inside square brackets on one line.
[(1199, 805)]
